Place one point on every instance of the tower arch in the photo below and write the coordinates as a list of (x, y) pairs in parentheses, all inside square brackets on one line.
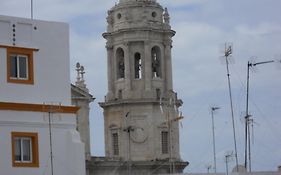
[(120, 64), (156, 60), (138, 65)]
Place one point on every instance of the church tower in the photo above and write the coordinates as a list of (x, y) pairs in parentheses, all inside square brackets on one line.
[(141, 109)]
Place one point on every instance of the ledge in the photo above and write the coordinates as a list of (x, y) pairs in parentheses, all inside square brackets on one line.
[(38, 107), (18, 47)]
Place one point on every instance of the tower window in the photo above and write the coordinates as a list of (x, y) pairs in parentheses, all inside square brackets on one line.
[(119, 15), (138, 67), (120, 95), (158, 93), (156, 62), (120, 63), (115, 145), (165, 142)]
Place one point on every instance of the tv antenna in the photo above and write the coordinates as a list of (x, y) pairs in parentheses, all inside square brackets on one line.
[(228, 157), (31, 9), (248, 118), (213, 109), (228, 50), (208, 167)]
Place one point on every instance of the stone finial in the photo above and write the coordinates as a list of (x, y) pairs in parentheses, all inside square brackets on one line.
[(110, 21), (80, 82), (166, 16)]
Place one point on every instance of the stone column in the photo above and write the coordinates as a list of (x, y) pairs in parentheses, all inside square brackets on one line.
[(127, 67), (110, 71), (168, 60), (147, 66)]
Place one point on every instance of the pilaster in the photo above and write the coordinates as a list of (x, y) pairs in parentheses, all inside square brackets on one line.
[(127, 67), (147, 62), (168, 65), (110, 71)]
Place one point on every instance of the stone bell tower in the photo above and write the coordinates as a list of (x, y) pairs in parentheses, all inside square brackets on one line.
[(141, 108)]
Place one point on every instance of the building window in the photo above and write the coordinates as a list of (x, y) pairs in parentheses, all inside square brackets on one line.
[(25, 149), (165, 142), (120, 63), (138, 70), (20, 65), (156, 62), (158, 93), (115, 145), (120, 94)]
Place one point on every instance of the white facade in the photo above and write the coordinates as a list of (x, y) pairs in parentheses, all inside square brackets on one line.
[(41, 100), (51, 61)]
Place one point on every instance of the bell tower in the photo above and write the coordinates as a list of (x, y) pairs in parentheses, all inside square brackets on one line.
[(141, 109)]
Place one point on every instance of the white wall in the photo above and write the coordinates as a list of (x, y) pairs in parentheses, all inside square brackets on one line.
[(67, 149), (51, 85), (51, 62)]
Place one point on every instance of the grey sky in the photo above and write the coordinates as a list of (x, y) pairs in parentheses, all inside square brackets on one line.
[(202, 26)]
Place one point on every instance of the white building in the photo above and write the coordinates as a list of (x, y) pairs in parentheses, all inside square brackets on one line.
[(37, 122)]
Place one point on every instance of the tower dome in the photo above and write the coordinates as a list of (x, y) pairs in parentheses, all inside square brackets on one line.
[(135, 0), (129, 14)]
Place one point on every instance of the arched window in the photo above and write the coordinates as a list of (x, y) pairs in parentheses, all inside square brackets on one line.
[(120, 63), (156, 62), (138, 68)]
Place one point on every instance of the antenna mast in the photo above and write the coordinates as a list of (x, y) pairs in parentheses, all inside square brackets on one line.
[(227, 159), (227, 54), (248, 119), (213, 109), (51, 109), (31, 8)]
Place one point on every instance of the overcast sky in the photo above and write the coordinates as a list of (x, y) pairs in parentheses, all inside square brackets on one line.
[(202, 26)]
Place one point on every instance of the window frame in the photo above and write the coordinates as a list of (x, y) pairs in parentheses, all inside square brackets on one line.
[(34, 154), (28, 53), (165, 145), (115, 144)]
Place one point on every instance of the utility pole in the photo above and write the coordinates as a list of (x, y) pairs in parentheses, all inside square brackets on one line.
[(213, 109)]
